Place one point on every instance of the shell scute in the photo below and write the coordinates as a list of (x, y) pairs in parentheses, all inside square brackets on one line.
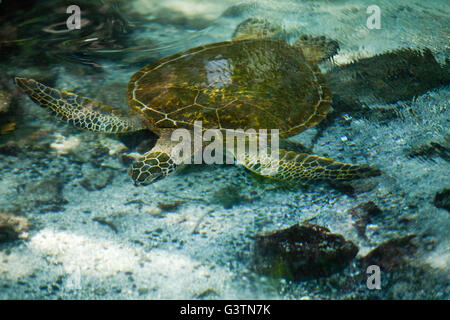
[(259, 84)]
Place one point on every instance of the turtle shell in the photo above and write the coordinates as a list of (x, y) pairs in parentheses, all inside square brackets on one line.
[(259, 84)]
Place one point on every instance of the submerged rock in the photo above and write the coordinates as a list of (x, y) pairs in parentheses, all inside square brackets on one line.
[(355, 187), (229, 196), (302, 252), (391, 254), (63, 145), (11, 226), (97, 179), (170, 206), (5, 100), (430, 150), (362, 215), (9, 149), (442, 199), (46, 191), (106, 222), (9, 110)]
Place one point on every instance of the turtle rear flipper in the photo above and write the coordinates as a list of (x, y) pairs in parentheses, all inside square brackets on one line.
[(79, 111), (298, 167), (164, 159)]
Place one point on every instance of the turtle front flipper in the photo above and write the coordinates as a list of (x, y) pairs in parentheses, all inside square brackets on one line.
[(79, 111), (153, 166), (299, 167), (162, 160)]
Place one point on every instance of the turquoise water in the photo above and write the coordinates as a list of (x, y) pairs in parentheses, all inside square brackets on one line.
[(73, 225)]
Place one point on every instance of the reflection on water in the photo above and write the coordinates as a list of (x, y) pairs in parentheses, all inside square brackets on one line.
[(38, 34), (137, 32)]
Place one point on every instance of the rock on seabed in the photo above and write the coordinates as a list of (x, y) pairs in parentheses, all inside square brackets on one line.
[(302, 252)]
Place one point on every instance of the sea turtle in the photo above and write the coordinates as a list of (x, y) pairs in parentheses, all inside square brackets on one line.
[(253, 81), (315, 49)]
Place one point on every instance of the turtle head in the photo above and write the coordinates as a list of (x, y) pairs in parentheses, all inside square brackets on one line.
[(316, 49), (151, 167)]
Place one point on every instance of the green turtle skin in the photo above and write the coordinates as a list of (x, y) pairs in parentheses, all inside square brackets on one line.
[(259, 84), (314, 48), (254, 28), (79, 111)]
